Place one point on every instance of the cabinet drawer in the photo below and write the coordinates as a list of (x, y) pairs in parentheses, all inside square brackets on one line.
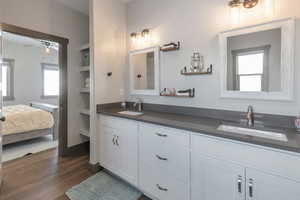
[(117, 123), (162, 186), (161, 136), (167, 158)]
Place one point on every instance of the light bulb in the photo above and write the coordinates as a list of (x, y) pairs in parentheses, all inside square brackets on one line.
[(235, 15), (269, 7), (47, 50)]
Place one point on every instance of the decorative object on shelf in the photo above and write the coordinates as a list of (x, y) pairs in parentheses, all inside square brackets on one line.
[(109, 74), (87, 83), (171, 92), (85, 57), (197, 63), (297, 123), (172, 46)]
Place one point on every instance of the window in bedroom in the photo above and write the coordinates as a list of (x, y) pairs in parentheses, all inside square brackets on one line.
[(50, 74), (8, 79)]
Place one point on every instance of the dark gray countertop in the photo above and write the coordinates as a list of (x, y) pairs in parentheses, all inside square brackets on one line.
[(209, 126)]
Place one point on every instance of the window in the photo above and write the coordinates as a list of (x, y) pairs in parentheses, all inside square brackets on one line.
[(50, 80), (251, 69), (8, 79)]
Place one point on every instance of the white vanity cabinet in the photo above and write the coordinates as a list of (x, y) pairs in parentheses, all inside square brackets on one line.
[(119, 147), (214, 179), (221, 169), (172, 164), (164, 162)]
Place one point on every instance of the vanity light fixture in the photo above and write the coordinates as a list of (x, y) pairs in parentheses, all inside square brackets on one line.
[(250, 3), (145, 35), (246, 3), (133, 37)]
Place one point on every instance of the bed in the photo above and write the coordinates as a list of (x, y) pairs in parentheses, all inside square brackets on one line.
[(25, 122)]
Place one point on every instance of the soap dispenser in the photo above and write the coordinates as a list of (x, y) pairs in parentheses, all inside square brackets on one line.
[(297, 123)]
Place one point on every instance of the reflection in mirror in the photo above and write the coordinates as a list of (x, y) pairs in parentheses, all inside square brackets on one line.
[(254, 62), (143, 69)]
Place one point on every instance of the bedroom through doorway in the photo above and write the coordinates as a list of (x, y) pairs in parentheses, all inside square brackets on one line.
[(30, 90)]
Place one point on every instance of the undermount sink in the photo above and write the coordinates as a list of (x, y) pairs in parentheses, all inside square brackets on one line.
[(253, 132), (132, 113)]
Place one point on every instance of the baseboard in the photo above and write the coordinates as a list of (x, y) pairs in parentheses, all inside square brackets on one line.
[(94, 168), (77, 150)]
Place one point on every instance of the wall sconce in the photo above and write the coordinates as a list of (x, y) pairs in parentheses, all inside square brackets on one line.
[(133, 37), (246, 3), (144, 35)]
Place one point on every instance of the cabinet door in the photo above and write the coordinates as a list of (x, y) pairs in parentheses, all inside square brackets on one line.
[(264, 186), (212, 179), (108, 149), (127, 142)]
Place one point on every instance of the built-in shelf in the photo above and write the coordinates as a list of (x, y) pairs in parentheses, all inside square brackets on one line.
[(85, 69), (84, 132), (85, 112), (85, 90), (85, 47)]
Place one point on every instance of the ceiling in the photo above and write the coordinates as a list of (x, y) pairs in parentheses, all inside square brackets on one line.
[(78, 5), (27, 41), (81, 5)]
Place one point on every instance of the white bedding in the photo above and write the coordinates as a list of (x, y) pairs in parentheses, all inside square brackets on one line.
[(22, 118)]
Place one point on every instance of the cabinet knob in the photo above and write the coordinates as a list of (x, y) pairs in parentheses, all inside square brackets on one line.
[(161, 158), (161, 135), (161, 188), (113, 140), (117, 141)]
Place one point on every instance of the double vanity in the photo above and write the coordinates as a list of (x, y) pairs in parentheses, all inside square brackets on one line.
[(185, 153), (170, 155)]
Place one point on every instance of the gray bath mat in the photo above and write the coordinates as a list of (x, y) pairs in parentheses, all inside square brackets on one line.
[(103, 186)]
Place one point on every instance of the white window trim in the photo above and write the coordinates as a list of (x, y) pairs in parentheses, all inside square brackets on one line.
[(10, 80), (48, 66), (287, 27)]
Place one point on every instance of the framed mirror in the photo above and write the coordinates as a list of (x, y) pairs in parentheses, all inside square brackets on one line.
[(144, 71), (257, 62)]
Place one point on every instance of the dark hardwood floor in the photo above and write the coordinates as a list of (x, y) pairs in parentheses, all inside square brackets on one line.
[(43, 176)]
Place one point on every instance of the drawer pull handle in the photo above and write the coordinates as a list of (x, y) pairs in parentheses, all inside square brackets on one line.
[(251, 188), (113, 140), (117, 141), (161, 135), (161, 158), (240, 180), (161, 188)]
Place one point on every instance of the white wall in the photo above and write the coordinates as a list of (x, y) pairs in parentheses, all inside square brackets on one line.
[(28, 72), (196, 23), (52, 17), (108, 23)]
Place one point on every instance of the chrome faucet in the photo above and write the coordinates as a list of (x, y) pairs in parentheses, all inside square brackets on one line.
[(250, 116), (138, 104)]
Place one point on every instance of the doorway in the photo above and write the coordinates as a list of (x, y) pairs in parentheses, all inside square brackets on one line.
[(49, 71)]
